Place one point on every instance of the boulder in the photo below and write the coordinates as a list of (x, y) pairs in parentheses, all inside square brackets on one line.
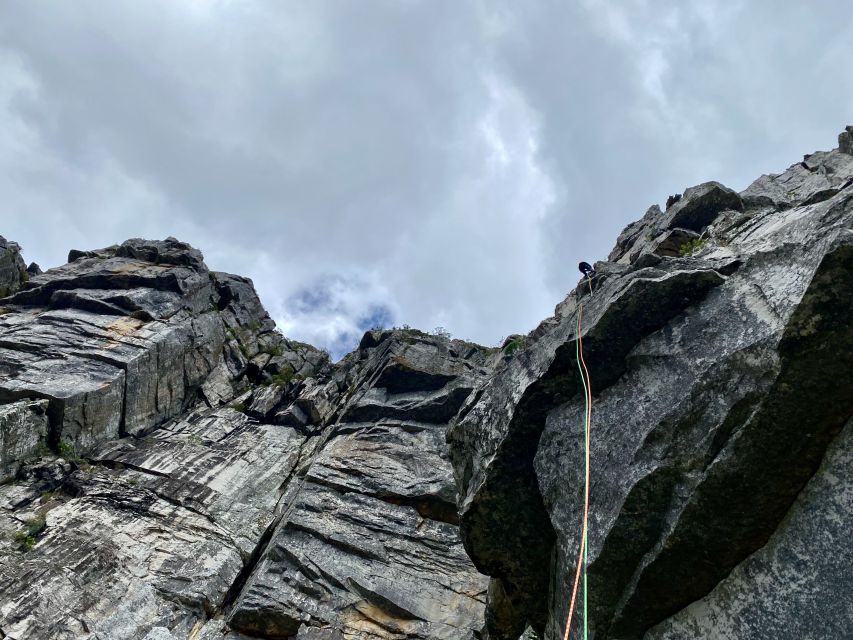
[(13, 269), (699, 205)]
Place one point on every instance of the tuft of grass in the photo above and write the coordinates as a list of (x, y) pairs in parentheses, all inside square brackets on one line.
[(68, 451), (238, 406), (27, 538), (513, 346), (47, 496), (272, 349), (236, 336), (284, 376), (25, 542), (690, 247)]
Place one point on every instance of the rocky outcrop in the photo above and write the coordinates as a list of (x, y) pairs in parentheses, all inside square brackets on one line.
[(155, 494), (13, 269), (121, 341), (173, 468), (720, 379), (178, 469), (370, 543)]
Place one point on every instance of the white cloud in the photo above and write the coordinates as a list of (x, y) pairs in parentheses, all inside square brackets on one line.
[(429, 163)]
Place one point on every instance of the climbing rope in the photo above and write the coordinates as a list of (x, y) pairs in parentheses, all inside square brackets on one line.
[(583, 557)]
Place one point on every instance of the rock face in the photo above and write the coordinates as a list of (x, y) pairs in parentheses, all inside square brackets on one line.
[(23, 427), (370, 544), (786, 575), (13, 269), (720, 381), (173, 468)]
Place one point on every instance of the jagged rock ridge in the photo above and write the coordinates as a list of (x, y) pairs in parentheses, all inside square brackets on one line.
[(174, 468), (720, 380)]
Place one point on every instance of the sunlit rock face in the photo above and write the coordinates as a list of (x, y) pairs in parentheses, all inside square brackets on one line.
[(173, 468), (176, 468), (722, 376)]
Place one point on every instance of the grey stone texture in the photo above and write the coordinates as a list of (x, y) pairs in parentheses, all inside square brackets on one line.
[(720, 380), (173, 468), (13, 269), (176, 468)]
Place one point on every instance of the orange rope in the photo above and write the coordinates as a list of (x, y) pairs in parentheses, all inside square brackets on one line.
[(582, 554)]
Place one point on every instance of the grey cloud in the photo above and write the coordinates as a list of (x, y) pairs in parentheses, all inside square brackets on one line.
[(429, 163)]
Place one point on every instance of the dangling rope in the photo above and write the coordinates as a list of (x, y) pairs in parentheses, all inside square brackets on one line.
[(583, 558)]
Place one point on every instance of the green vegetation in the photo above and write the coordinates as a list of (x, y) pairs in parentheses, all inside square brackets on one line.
[(27, 538), (236, 336), (243, 349), (284, 376), (67, 451), (691, 247), (272, 349), (238, 406), (50, 495), (513, 345)]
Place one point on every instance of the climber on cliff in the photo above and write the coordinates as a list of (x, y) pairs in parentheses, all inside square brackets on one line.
[(588, 272)]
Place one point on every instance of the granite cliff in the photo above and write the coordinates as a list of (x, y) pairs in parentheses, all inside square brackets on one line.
[(720, 350), (175, 468)]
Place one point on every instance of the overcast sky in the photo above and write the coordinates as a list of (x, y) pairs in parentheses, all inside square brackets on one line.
[(441, 163)]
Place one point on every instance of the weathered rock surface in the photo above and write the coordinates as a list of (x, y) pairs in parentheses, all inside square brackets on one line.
[(174, 469), (787, 575), (178, 469), (152, 533), (13, 269), (719, 381), (370, 544), (23, 428)]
